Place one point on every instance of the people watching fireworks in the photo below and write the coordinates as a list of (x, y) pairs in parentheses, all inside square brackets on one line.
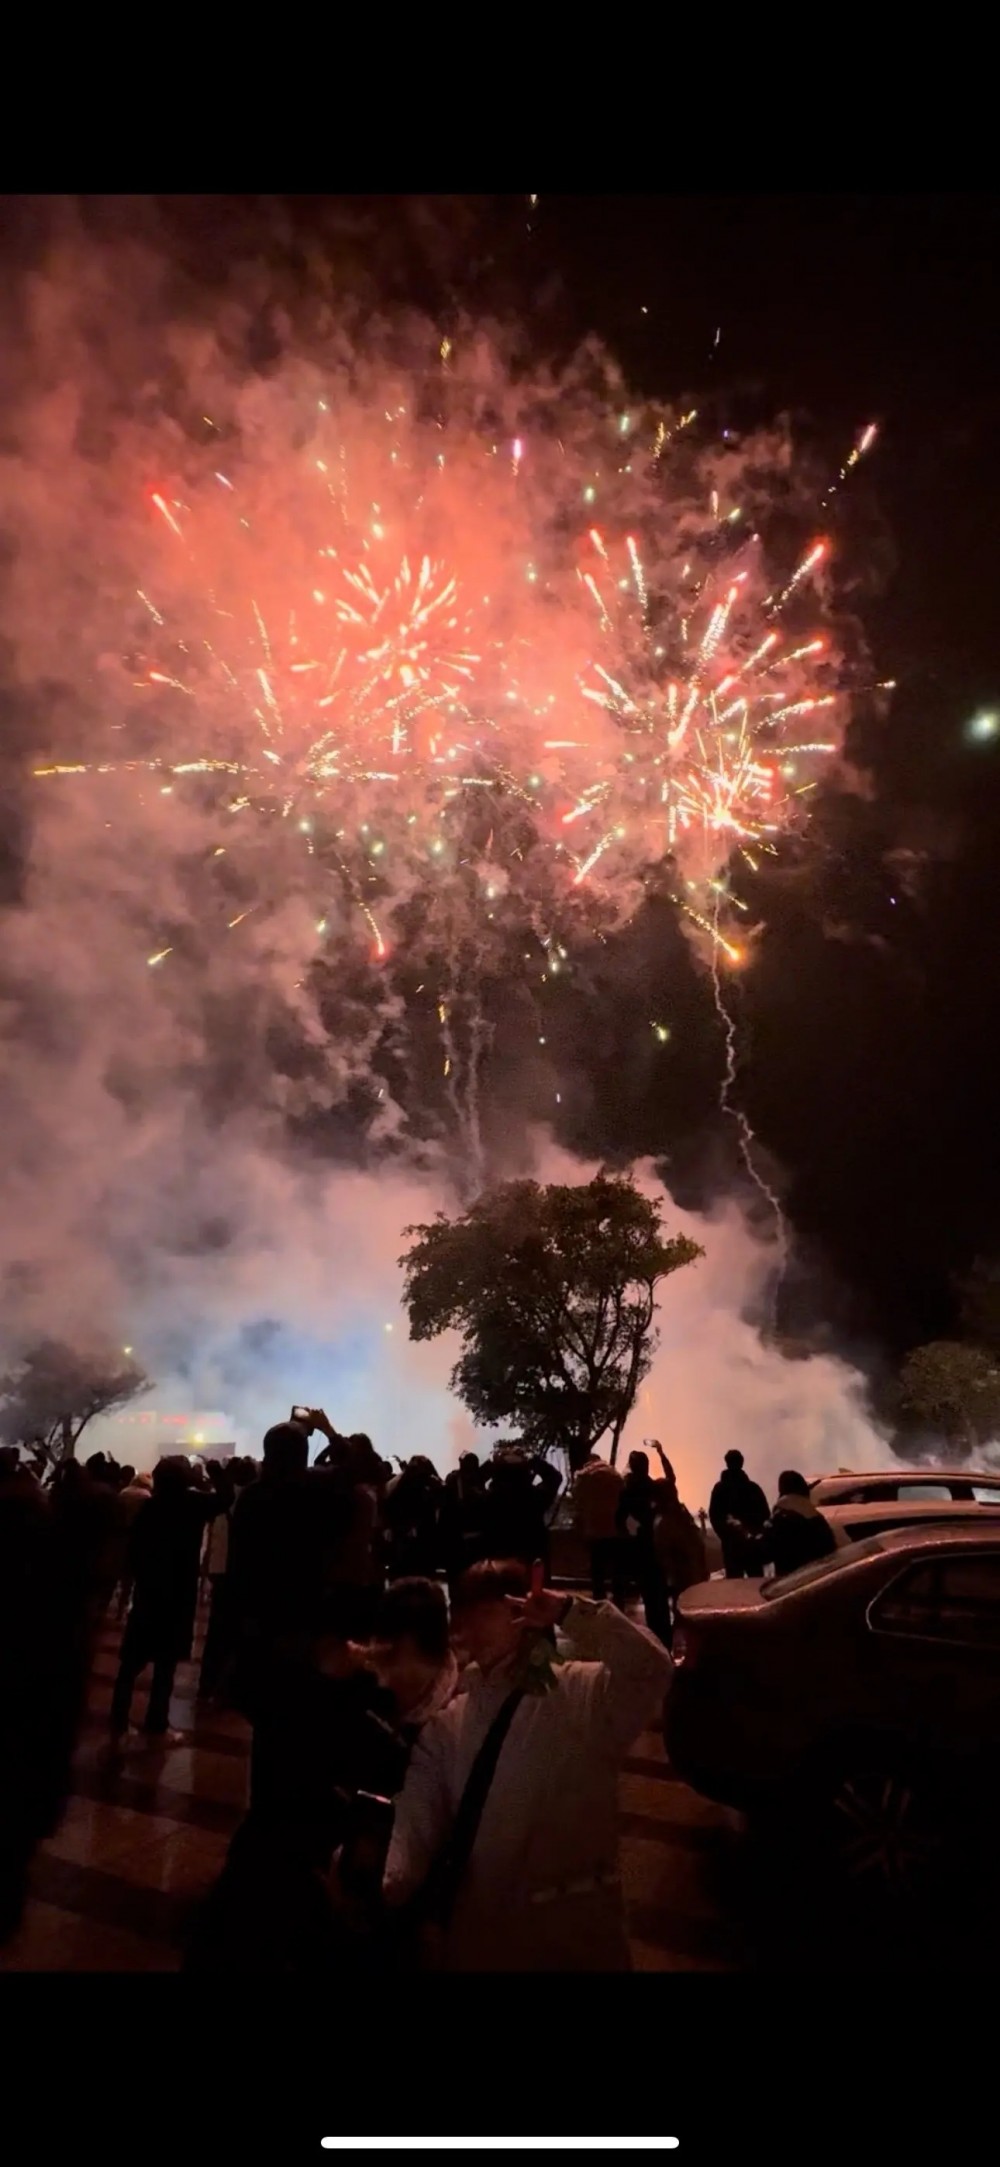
[(369, 1744), (679, 1550), (635, 1513), (163, 1562), (737, 1510), (411, 1509), (596, 1492), (521, 1490), (797, 1533), (464, 1515)]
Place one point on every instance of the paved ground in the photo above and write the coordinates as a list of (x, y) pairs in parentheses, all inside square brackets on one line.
[(114, 1888)]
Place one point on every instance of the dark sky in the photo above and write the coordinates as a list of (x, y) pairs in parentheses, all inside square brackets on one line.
[(869, 1020), (869, 1023)]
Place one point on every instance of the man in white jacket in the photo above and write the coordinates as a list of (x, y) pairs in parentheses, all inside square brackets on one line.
[(541, 1889)]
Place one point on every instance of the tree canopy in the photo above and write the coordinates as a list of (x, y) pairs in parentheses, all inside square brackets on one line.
[(955, 1388), (553, 1291), (54, 1391)]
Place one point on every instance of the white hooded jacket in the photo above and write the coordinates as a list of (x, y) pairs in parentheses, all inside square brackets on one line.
[(541, 1891)]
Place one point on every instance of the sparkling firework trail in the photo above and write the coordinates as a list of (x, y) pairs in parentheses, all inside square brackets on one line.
[(732, 1111), (865, 443)]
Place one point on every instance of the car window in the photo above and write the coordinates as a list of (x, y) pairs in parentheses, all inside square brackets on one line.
[(986, 1493), (851, 1554), (892, 1520), (908, 1606), (862, 1528), (934, 1493), (957, 1600)]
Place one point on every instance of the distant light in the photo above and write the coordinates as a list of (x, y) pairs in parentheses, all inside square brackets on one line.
[(126, 1350), (589, 493), (983, 727), (387, 1328)]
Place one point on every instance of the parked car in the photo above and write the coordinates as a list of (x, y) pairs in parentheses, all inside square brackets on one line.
[(854, 1523), (929, 1485), (858, 1697)]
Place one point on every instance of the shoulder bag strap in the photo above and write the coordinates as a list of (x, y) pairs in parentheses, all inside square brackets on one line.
[(446, 1877)]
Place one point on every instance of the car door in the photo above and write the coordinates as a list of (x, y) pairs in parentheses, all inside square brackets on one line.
[(935, 1643)]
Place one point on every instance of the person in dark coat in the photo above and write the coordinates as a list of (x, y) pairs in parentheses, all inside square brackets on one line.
[(737, 1510), (44, 1646), (636, 1513), (344, 1726), (521, 1491), (164, 1561), (411, 1505), (796, 1533), (91, 1525), (291, 1546), (464, 1514)]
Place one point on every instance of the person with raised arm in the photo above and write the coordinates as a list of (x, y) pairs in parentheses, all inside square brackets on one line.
[(505, 1843)]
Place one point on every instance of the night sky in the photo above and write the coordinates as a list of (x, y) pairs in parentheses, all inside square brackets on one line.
[(868, 1020)]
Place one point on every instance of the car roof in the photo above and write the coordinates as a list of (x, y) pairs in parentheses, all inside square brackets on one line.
[(911, 1474), (948, 1510), (924, 1534)]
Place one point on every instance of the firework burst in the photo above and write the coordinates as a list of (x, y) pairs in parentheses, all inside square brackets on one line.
[(447, 644), (711, 699)]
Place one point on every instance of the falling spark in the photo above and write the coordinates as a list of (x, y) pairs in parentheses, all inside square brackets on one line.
[(859, 451), (637, 571), (163, 507)]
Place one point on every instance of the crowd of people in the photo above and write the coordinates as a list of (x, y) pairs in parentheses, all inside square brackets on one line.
[(436, 1731)]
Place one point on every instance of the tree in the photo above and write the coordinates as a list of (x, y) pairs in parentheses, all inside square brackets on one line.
[(55, 1390), (953, 1388), (553, 1291)]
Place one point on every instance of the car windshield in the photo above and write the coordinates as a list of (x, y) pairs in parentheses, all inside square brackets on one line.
[(850, 1554)]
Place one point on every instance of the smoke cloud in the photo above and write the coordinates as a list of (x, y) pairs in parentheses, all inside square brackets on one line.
[(306, 1310)]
